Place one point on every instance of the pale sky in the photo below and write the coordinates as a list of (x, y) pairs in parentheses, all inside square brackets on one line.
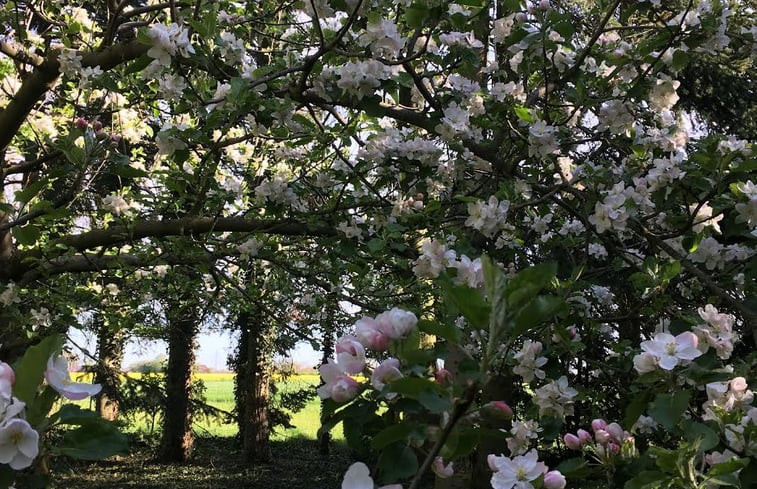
[(214, 349)]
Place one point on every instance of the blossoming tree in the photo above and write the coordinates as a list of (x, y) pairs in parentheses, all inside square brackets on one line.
[(392, 144)]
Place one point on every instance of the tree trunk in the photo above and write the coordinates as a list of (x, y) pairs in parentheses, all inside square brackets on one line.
[(328, 345), (176, 441), (499, 388), (110, 349), (257, 390)]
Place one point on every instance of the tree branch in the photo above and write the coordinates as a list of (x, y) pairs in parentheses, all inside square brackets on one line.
[(44, 75)]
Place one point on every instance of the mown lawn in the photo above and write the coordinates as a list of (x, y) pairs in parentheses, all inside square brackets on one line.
[(219, 393)]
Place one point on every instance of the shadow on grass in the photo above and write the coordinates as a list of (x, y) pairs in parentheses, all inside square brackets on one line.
[(216, 464)]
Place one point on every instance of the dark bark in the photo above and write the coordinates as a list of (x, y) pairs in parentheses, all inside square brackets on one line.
[(499, 388), (110, 349), (324, 439), (176, 441), (256, 393)]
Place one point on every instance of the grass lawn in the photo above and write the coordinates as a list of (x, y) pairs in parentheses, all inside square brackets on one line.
[(219, 393)]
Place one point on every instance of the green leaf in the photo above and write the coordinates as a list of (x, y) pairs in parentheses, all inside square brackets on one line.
[(573, 467), (667, 409), (449, 332), (392, 434), (523, 114), (30, 369), (26, 235), (397, 462), (97, 439), (535, 312), (649, 479), (425, 391), (698, 431), (728, 467), (25, 195), (138, 64), (636, 407), (415, 16), (527, 283), (469, 302)]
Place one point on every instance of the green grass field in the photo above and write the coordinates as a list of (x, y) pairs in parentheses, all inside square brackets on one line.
[(219, 393)]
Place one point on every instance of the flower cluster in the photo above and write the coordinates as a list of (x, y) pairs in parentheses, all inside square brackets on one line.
[(608, 441), (167, 41), (19, 442), (376, 334), (522, 471)]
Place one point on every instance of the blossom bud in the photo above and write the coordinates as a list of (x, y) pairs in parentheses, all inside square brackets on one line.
[(602, 436), (521, 17), (613, 448), (616, 432), (544, 5), (572, 441), (81, 123), (7, 378), (504, 410), (738, 384), (116, 138), (443, 376), (101, 135), (440, 470), (554, 480), (584, 436), (599, 424), (97, 125)]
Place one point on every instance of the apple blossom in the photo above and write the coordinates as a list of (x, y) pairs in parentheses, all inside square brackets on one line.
[(350, 354), (59, 379), (358, 476), (338, 386), (386, 372), (371, 334), (670, 350), (517, 472), (572, 441), (397, 323), (554, 480), (442, 471), (7, 377), (19, 443)]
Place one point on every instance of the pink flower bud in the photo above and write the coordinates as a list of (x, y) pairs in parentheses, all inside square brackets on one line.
[(97, 125), (369, 333), (81, 123), (616, 432), (544, 5), (7, 376), (572, 441), (584, 436), (599, 424), (503, 408), (101, 135), (440, 470), (554, 480), (521, 17), (601, 436), (116, 138), (443, 376), (613, 448)]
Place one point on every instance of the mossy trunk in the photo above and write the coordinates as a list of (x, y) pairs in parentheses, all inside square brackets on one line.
[(176, 441), (256, 391), (110, 349)]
